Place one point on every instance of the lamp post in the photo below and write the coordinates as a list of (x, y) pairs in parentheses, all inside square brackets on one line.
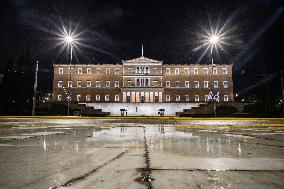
[(35, 86), (69, 40), (213, 41)]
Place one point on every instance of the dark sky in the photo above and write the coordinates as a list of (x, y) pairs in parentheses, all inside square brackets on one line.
[(115, 30)]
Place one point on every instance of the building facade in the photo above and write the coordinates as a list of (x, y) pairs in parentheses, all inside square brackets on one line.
[(142, 80)]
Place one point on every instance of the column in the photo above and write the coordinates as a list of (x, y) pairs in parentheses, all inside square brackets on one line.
[(151, 97), (160, 97), (124, 97), (137, 97)]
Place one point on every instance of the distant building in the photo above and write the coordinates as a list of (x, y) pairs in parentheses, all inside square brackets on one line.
[(142, 80)]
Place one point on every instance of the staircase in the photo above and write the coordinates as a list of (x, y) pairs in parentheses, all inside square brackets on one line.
[(207, 109)]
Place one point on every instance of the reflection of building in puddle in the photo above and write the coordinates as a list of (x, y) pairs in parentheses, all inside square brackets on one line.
[(161, 128), (239, 149)]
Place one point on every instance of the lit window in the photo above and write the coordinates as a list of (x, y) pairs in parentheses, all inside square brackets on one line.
[(116, 71), (186, 71), (205, 71), (225, 84), (89, 84), (206, 98), (88, 98), (98, 84), (69, 83), (176, 71), (215, 70), (78, 97), (186, 97), (129, 70), (206, 83), (187, 84), (116, 98), (225, 71), (116, 83), (215, 84), (60, 84), (177, 98), (195, 71), (196, 84), (107, 83), (106, 98), (196, 98), (60, 70), (226, 98), (80, 71), (129, 83), (168, 84), (89, 71), (98, 97), (168, 71), (107, 71), (59, 97), (79, 83), (98, 71), (177, 84), (168, 98)]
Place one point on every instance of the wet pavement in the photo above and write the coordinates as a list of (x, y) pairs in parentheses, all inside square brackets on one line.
[(43, 153)]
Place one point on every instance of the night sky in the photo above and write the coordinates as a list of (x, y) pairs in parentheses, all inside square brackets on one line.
[(114, 31)]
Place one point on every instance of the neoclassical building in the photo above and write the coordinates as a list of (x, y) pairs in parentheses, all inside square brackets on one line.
[(142, 80)]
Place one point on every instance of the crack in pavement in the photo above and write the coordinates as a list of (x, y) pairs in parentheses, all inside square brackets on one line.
[(76, 179), (145, 172)]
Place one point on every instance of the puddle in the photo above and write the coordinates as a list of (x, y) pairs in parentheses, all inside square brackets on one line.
[(237, 135), (42, 133)]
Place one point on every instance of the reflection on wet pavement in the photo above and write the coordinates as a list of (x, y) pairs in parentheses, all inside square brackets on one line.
[(93, 154)]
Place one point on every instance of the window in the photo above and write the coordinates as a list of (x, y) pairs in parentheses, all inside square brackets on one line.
[(89, 84), (226, 98), (116, 71), (80, 71), (129, 70), (186, 71), (177, 84), (98, 97), (89, 70), (116, 83), (215, 84), (107, 83), (225, 84), (225, 71), (69, 83), (206, 84), (129, 83), (108, 71), (168, 71), (196, 84), (155, 70), (215, 70), (59, 97), (186, 84), (206, 98), (168, 84), (196, 98), (69, 70), (60, 84), (98, 71), (79, 83), (98, 84), (116, 98), (155, 83), (186, 98), (205, 71), (78, 97), (176, 71), (60, 70), (88, 98), (195, 71), (106, 98), (177, 98), (168, 98)]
